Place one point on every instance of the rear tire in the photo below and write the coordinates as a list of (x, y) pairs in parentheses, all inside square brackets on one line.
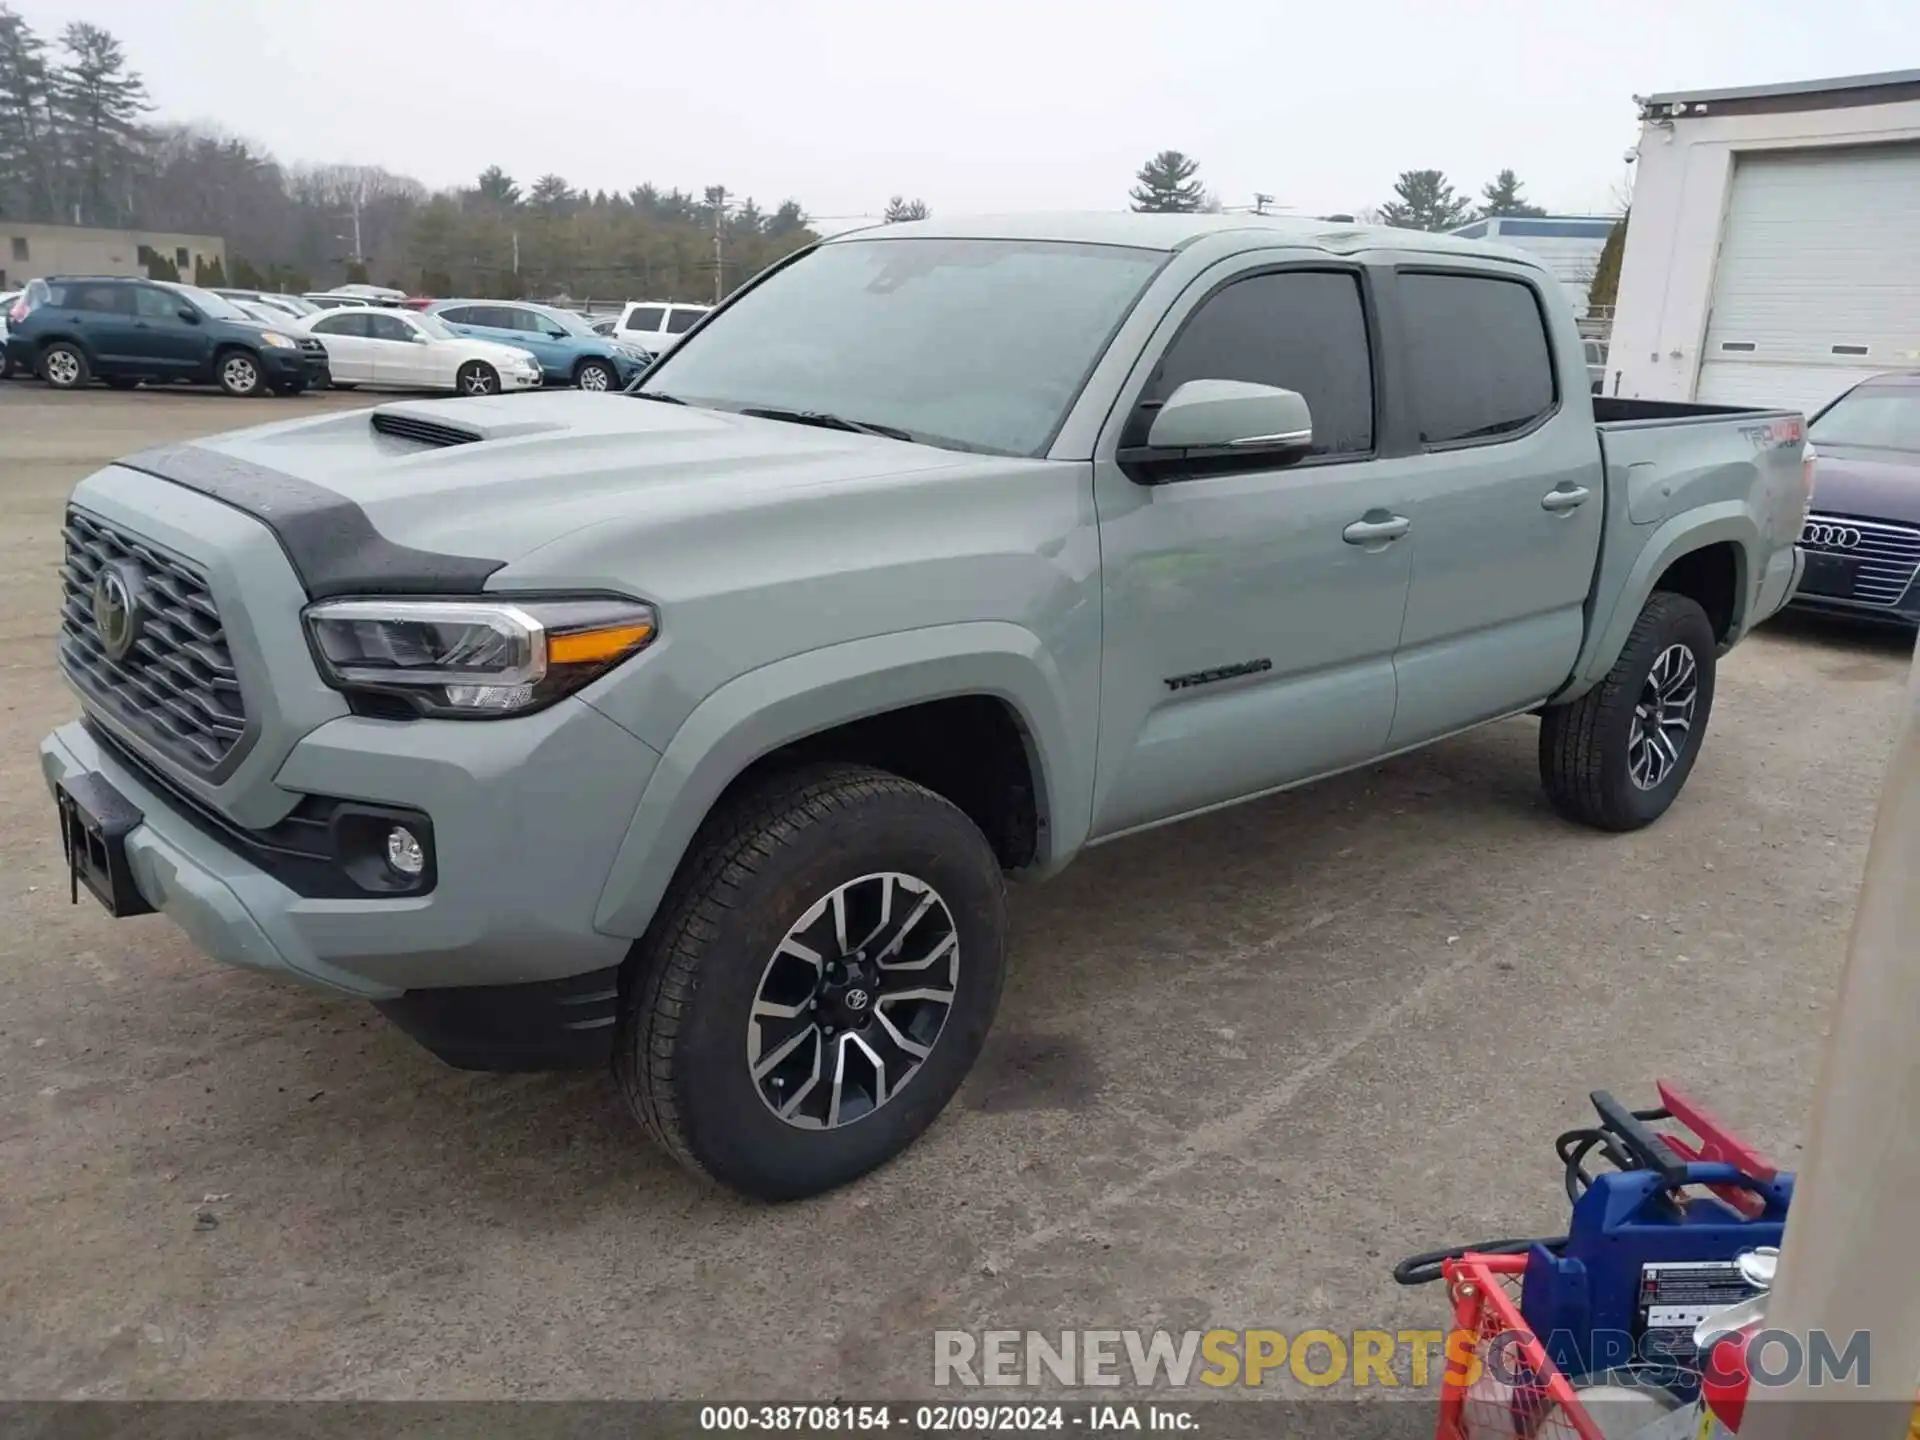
[(64, 366), (238, 373), (1617, 757), (476, 377), (596, 375), (773, 941)]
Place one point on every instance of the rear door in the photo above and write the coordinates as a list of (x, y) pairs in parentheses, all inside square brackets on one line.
[(101, 314), (643, 325), (349, 352), (1507, 498)]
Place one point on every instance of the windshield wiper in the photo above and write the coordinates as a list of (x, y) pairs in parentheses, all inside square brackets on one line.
[(826, 421), (660, 395)]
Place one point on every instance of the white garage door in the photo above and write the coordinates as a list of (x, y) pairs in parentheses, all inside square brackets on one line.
[(1818, 283)]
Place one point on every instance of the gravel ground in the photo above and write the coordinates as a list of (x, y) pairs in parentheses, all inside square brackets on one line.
[(1241, 1067)]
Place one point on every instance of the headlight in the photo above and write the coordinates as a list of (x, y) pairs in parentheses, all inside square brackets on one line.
[(279, 341), (475, 659)]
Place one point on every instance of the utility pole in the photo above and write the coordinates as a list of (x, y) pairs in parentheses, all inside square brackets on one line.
[(516, 252), (359, 255), (717, 198)]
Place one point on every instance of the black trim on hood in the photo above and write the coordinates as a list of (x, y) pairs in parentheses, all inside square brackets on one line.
[(329, 540)]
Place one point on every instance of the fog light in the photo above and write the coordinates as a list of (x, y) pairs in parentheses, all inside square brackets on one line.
[(404, 853)]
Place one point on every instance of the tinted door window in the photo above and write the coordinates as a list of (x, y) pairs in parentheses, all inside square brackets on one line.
[(647, 317), (341, 325), (388, 327), (1303, 330), (106, 299), (1477, 354), (681, 321), (459, 315), (156, 305)]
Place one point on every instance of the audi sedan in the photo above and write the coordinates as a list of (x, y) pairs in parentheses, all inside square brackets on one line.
[(1862, 536)]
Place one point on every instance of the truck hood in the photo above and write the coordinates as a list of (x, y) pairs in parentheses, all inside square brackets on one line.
[(371, 500), (1867, 484)]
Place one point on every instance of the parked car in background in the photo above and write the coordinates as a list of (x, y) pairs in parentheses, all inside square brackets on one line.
[(406, 350), (565, 345), (7, 368), (1596, 351), (604, 325), (657, 328), (74, 329), (1862, 535), (292, 305), (341, 296)]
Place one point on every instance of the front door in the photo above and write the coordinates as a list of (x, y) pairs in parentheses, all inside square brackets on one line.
[(1507, 503), (1249, 625), (170, 345)]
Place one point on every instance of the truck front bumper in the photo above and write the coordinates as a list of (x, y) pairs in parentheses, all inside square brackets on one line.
[(498, 964)]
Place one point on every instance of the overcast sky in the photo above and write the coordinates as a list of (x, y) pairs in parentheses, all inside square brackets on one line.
[(975, 105)]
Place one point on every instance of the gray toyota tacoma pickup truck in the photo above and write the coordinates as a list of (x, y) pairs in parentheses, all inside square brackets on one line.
[(695, 729)]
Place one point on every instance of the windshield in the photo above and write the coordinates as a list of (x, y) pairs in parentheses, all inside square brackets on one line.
[(434, 325), (216, 307), (971, 344), (1882, 417), (566, 320)]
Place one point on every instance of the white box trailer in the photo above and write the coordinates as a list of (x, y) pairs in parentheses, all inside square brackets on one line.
[(1773, 257)]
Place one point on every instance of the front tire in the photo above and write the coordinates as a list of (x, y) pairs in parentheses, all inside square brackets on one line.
[(238, 373), (816, 984), (1617, 757), (476, 377), (64, 367), (596, 375)]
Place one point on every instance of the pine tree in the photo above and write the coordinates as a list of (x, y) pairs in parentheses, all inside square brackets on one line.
[(27, 163), (1424, 201), (97, 103), (552, 194), (900, 208), (496, 188), (1502, 197), (1605, 284), (1167, 185)]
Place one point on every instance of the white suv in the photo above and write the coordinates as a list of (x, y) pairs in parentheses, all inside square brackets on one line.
[(656, 326)]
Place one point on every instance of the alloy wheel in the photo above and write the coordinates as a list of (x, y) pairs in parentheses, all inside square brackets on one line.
[(1663, 717), (63, 367), (853, 1000), (238, 374), (595, 377)]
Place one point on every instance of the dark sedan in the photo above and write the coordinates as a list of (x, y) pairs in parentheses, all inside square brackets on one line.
[(1862, 536)]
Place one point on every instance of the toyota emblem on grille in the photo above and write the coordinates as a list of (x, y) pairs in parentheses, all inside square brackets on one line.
[(116, 609), (1830, 537)]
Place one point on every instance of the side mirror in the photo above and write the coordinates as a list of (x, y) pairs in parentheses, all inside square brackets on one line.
[(1212, 426), (420, 339), (556, 334), (189, 314)]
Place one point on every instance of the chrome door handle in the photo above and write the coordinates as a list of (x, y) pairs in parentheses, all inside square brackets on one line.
[(1559, 500), (1371, 532)]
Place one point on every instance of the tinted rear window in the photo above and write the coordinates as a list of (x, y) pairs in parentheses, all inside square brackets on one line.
[(1477, 349), (681, 321), (647, 317)]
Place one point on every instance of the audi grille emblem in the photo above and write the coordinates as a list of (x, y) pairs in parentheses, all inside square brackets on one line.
[(856, 999), (1831, 537)]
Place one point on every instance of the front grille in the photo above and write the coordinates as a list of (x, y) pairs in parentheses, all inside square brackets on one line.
[(176, 687), (1884, 558), (313, 348), (427, 432)]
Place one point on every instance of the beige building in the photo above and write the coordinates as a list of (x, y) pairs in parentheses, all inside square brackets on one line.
[(28, 251)]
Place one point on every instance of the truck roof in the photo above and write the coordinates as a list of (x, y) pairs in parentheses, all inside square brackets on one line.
[(1175, 232)]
